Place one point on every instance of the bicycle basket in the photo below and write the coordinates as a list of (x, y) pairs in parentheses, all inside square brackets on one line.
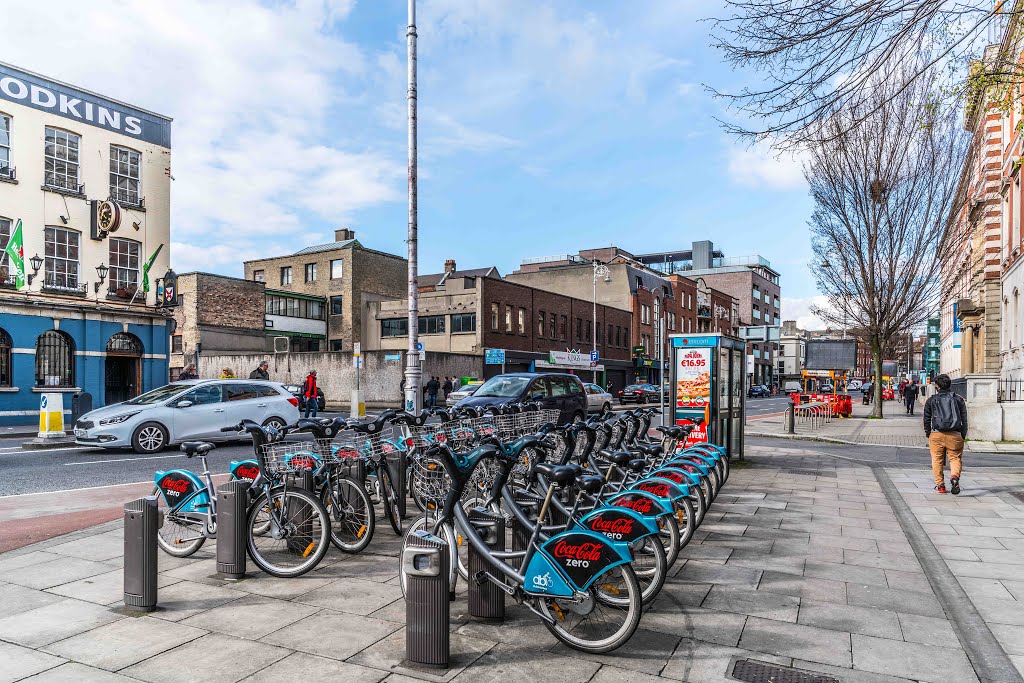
[(278, 459), (430, 481), (350, 444)]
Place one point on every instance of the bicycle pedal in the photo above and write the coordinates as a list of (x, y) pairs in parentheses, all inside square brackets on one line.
[(480, 578)]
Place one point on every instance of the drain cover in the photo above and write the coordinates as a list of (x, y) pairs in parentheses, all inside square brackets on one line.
[(1019, 495), (753, 671)]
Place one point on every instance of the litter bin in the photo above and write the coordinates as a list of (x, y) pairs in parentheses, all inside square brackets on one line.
[(141, 522), (426, 563), (232, 501), (486, 601)]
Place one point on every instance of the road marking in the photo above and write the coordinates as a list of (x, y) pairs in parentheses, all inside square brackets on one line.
[(86, 488), (151, 457), (13, 449)]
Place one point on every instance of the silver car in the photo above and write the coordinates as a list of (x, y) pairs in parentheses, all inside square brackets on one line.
[(598, 400), (462, 392), (186, 410)]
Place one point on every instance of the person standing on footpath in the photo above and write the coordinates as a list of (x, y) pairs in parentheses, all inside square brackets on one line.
[(261, 372), (448, 387), (910, 394), (433, 386), (309, 392), (189, 372), (945, 425), (227, 373)]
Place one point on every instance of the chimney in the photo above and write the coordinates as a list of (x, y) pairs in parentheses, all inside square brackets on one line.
[(344, 234), (449, 266)]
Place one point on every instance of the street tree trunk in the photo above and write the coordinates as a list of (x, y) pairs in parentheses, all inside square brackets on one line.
[(876, 363)]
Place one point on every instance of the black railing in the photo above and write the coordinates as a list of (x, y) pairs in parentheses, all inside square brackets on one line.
[(7, 280), (8, 172), (703, 311), (125, 198), (65, 286), (1010, 390), (959, 386), (55, 182), (123, 293)]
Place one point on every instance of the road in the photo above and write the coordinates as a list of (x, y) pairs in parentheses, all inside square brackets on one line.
[(765, 406)]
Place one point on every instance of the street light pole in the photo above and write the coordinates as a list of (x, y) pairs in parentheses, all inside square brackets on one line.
[(602, 270), (413, 372)]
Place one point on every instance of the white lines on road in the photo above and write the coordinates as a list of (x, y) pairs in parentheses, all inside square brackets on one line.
[(9, 450), (101, 462)]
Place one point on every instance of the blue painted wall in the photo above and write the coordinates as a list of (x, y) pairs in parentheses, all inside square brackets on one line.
[(88, 335)]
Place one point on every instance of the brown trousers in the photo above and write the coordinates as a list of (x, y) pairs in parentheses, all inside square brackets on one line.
[(943, 445)]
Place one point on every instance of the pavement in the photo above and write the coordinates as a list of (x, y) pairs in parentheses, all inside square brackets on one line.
[(895, 429), (823, 558)]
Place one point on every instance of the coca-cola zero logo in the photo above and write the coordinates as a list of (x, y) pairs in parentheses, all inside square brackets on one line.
[(616, 528), (660, 490), (247, 472), (641, 505), (174, 487)]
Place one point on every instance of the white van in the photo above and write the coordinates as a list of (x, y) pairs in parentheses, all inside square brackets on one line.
[(793, 386)]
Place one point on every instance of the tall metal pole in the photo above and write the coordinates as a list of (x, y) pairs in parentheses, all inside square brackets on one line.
[(413, 372), (594, 347), (660, 336)]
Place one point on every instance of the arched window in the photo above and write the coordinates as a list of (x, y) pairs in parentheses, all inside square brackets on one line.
[(55, 359), (124, 344), (5, 358)]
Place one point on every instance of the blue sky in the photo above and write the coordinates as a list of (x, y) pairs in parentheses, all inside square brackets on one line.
[(545, 127)]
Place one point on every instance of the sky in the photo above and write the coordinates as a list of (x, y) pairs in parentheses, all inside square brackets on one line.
[(545, 127)]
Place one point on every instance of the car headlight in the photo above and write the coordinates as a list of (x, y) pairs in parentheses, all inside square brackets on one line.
[(117, 420)]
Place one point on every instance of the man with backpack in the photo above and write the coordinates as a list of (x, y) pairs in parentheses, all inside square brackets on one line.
[(945, 425)]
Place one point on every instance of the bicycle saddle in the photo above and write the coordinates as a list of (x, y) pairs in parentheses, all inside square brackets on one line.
[(193, 448), (637, 464), (556, 474), (591, 483), (374, 426), (650, 449), (674, 432), (620, 457)]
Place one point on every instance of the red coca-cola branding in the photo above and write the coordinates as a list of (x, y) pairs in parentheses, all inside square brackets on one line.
[(622, 525), (641, 505), (583, 551), (176, 486), (247, 472), (660, 490), (303, 463), (677, 477)]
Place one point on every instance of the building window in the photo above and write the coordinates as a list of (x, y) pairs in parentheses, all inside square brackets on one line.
[(310, 272), (61, 258), (5, 259), (55, 360), (464, 322), (292, 307), (590, 331), (176, 345), (611, 335), (61, 159), (757, 313), (259, 276), (124, 265), (5, 358), (579, 329), (597, 333), (335, 305), (494, 317), (540, 324), (337, 268), (563, 327), (394, 327), (5, 143), (286, 275), (431, 324), (125, 175), (508, 318), (336, 345), (522, 321)]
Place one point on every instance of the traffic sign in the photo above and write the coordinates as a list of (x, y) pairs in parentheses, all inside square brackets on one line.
[(419, 346), (594, 357), (494, 356), (356, 348)]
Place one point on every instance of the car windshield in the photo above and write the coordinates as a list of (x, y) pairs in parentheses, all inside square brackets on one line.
[(634, 387), (157, 395), (502, 387)]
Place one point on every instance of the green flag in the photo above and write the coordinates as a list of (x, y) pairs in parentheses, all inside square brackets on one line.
[(145, 269), (16, 251)]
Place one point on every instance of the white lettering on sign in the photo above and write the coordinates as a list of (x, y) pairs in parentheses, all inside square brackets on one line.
[(13, 88)]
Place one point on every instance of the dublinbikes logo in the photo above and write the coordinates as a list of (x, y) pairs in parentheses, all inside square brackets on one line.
[(542, 583)]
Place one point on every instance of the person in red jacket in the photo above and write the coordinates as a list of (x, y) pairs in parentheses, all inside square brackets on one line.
[(309, 392)]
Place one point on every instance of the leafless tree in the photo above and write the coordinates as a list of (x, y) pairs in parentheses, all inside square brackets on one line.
[(817, 59), (882, 195)]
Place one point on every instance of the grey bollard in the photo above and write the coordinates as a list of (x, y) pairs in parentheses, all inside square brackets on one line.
[(141, 522), (791, 418), (300, 516), (397, 465), (232, 506), (426, 564), (486, 601)]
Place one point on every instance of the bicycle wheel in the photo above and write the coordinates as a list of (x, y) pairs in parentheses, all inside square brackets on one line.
[(700, 502), (351, 513), (593, 625), (298, 536), (650, 566), (389, 497), (687, 521), (179, 536), (668, 533)]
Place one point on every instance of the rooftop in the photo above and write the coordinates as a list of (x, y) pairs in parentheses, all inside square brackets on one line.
[(330, 246)]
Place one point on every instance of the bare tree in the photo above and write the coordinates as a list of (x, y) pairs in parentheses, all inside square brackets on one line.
[(882, 194), (820, 59)]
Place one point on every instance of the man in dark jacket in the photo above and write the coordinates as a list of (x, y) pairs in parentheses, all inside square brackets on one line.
[(447, 388), (432, 388), (910, 394), (261, 372), (945, 425)]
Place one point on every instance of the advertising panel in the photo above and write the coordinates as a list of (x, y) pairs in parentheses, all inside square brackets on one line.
[(693, 389)]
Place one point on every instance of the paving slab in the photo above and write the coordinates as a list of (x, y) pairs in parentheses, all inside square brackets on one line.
[(252, 616), (349, 634), (124, 642), (928, 630), (695, 661), (356, 597), (186, 598), (57, 621), (215, 658), (503, 664), (647, 652), (822, 590), (79, 673), (388, 655), (705, 625), (797, 641), (1010, 637), (753, 602), (865, 620), (300, 666), (705, 572), (912, 660), (54, 572), (910, 602), (98, 547), (21, 662), (105, 589), (16, 599), (908, 581), (845, 572)]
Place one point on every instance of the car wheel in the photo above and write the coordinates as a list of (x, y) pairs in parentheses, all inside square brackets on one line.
[(606, 408), (149, 437), (641, 400), (275, 422)]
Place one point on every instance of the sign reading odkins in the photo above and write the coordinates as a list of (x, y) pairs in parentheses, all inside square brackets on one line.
[(43, 94)]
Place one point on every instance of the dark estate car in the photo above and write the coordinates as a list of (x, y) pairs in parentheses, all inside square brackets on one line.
[(758, 391), (639, 393), (296, 391), (553, 391)]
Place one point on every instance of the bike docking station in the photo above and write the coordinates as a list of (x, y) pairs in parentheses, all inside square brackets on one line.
[(142, 519), (232, 507), (426, 562), (486, 600)]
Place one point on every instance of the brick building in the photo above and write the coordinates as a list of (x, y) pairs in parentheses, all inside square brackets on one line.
[(468, 313), (343, 273)]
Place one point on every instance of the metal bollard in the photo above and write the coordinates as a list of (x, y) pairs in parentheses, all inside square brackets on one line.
[(426, 563), (397, 465), (142, 519), (791, 418), (299, 544), (486, 601), (232, 506)]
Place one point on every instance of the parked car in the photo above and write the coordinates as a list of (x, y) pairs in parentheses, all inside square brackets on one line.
[(552, 390), (598, 400), (826, 388), (186, 410), (639, 393), (296, 391), (758, 391), (854, 384), (462, 392)]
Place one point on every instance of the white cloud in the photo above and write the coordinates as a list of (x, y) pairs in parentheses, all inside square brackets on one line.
[(760, 166), (800, 311)]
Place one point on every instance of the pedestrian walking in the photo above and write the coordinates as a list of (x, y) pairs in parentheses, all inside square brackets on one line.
[(309, 392), (227, 373), (910, 395), (945, 425), (189, 372), (447, 387), (433, 386), (261, 372)]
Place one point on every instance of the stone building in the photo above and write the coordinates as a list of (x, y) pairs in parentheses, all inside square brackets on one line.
[(345, 274)]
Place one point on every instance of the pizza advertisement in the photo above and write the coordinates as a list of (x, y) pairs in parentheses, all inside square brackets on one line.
[(693, 390)]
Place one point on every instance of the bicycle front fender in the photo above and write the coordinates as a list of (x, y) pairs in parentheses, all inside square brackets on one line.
[(244, 470), (577, 557), (643, 502), (689, 465), (677, 474), (620, 524), (662, 488)]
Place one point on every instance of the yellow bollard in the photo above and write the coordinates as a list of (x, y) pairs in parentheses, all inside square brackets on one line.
[(51, 416)]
